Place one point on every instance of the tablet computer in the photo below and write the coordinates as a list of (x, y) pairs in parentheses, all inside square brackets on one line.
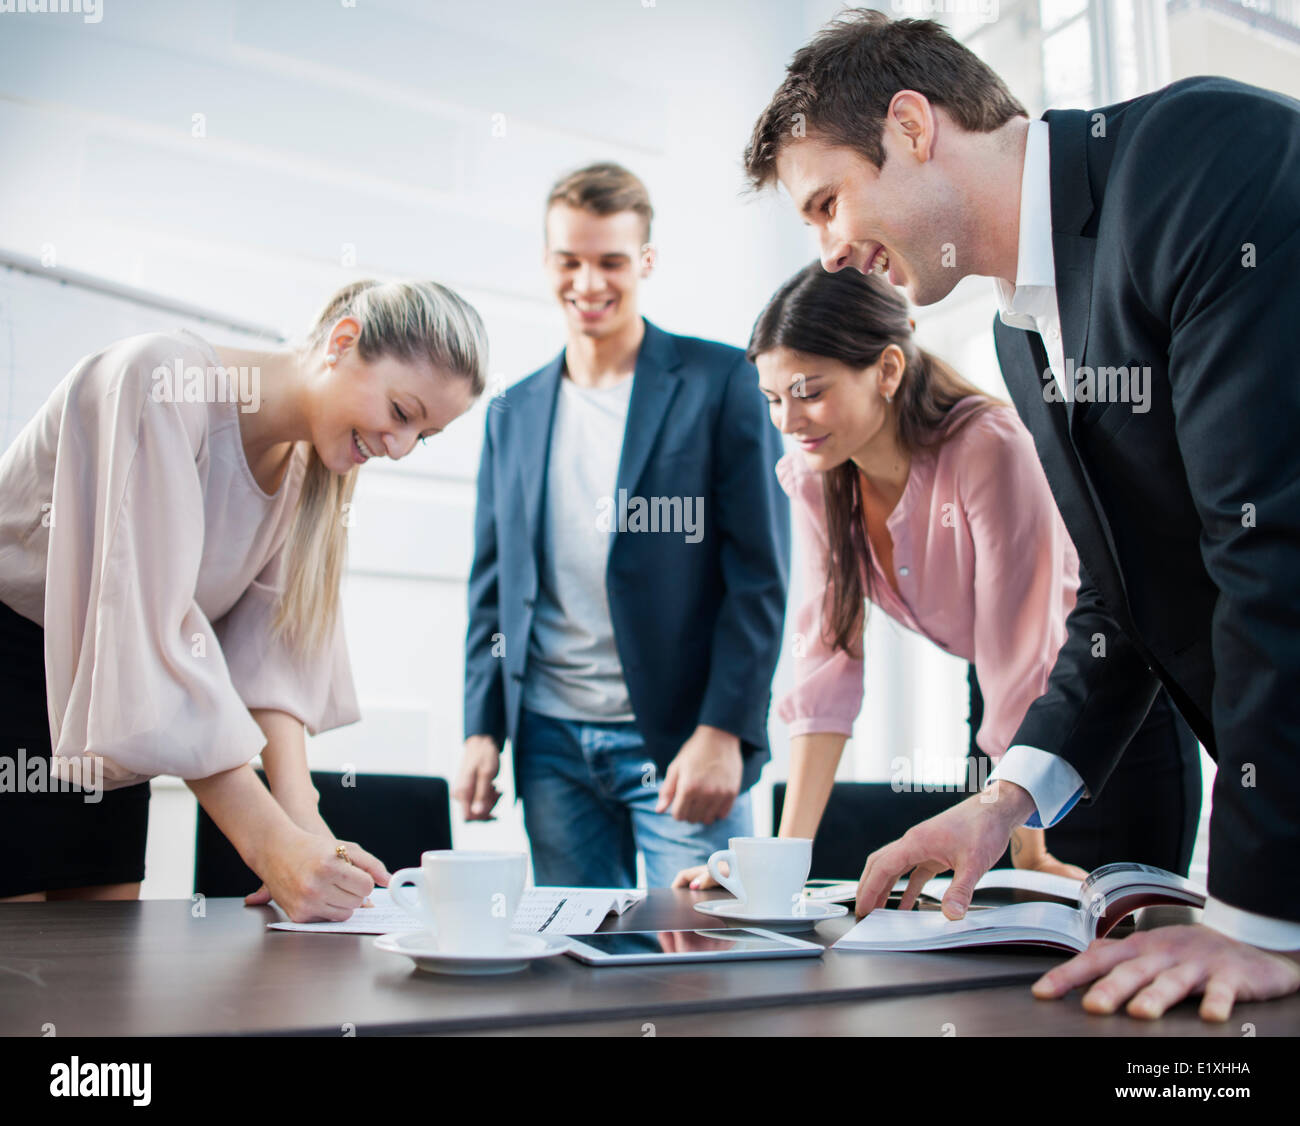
[(640, 948)]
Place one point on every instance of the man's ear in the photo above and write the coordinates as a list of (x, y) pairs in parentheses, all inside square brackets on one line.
[(649, 256), (910, 119)]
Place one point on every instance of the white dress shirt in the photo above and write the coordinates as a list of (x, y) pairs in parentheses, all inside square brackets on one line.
[(1031, 303), (1053, 784)]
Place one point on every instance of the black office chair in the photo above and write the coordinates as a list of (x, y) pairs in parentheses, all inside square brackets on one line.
[(395, 817), (860, 817)]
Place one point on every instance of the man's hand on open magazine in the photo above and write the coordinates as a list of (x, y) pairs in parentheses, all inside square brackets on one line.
[(968, 839), (1158, 968)]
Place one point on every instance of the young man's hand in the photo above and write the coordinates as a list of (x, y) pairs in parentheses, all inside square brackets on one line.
[(475, 787), (1158, 968), (704, 777)]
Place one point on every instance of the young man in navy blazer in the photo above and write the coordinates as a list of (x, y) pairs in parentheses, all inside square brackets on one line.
[(1144, 255), (628, 587)]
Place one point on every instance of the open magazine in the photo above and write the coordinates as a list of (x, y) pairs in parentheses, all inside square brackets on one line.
[(1108, 895), (996, 882)]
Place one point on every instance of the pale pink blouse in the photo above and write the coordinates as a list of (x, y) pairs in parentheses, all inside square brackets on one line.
[(134, 532), (985, 568)]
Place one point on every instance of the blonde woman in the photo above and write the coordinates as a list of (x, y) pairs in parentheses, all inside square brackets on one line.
[(172, 535)]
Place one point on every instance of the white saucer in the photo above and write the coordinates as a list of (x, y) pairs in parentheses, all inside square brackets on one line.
[(422, 948), (812, 914)]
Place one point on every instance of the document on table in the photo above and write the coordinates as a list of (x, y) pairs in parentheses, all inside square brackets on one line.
[(545, 910)]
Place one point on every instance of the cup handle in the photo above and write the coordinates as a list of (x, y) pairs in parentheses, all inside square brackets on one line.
[(406, 877), (731, 883)]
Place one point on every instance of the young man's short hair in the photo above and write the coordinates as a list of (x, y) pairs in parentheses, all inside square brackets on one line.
[(840, 85), (603, 189)]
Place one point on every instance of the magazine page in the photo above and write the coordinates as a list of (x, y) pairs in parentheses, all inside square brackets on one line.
[(930, 930)]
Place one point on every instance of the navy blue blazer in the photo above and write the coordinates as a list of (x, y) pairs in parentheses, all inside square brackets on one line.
[(698, 626)]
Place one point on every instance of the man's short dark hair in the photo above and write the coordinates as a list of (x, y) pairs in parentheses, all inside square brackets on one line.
[(603, 189), (839, 87)]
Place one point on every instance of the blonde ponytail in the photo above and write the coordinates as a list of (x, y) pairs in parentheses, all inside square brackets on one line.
[(416, 321)]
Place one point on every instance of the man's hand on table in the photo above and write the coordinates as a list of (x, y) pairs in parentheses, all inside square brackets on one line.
[(1154, 970), (1151, 970)]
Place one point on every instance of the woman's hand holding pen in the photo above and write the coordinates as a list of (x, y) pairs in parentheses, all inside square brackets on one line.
[(285, 760), (302, 871), (317, 878), (310, 821)]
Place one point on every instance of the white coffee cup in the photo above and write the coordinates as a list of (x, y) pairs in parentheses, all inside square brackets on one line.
[(767, 874), (468, 899)]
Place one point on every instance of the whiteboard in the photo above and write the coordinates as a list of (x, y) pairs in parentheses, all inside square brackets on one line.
[(51, 318)]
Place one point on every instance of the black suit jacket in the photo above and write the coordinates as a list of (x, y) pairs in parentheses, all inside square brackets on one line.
[(1176, 235)]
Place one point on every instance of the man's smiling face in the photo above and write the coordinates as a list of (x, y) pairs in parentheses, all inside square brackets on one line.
[(595, 264), (897, 219)]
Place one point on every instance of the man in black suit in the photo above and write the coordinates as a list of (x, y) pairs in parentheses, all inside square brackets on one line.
[(1143, 256)]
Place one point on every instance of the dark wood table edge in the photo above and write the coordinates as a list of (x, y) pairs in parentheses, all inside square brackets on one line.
[(641, 1010)]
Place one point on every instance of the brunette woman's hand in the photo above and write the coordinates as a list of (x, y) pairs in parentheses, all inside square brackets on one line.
[(1029, 851), (697, 878)]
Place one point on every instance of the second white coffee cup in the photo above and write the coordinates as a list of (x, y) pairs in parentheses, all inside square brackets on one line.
[(765, 874), (467, 898)]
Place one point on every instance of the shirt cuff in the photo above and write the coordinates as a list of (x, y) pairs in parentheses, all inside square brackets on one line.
[(1051, 781), (817, 725), (1245, 926)]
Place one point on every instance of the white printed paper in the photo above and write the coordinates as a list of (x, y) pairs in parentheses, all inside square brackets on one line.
[(540, 911)]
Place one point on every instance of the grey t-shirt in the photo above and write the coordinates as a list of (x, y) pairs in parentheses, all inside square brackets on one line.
[(573, 669)]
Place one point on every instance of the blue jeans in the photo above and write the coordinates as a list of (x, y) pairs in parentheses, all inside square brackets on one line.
[(589, 794)]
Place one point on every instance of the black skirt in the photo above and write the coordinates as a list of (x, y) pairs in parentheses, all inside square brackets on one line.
[(1150, 807), (52, 839)]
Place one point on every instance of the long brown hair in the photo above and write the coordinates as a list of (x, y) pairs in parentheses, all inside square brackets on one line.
[(853, 317)]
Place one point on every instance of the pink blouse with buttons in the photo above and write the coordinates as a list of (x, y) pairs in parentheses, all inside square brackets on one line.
[(984, 565)]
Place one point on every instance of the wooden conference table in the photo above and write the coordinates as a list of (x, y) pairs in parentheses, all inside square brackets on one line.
[(151, 968)]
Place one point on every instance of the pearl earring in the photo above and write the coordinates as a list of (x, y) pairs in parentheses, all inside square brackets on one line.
[(332, 358)]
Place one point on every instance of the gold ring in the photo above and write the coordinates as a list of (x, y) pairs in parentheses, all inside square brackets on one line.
[(342, 854)]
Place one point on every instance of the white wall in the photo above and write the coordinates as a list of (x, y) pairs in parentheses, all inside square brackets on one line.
[(1204, 41), (250, 156)]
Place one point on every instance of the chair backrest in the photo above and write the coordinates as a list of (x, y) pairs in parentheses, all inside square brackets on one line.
[(861, 817), (395, 817)]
